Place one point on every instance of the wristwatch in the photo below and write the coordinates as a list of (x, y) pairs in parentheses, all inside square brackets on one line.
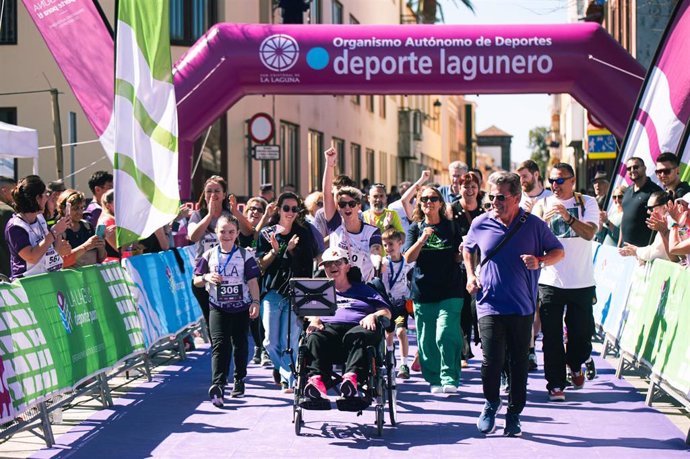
[(542, 264)]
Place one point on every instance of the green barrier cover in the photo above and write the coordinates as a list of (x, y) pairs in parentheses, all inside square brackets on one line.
[(61, 328), (654, 329), (669, 354)]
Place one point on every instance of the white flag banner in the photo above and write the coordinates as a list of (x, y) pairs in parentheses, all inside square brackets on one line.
[(144, 121)]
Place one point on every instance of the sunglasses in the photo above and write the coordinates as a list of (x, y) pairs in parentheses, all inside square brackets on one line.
[(665, 171), (293, 209), (258, 209), (632, 168), (344, 204), (426, 199), (498, 197), (649, 208), (319, 203), (617, 196), (331, 263), (560, 180)]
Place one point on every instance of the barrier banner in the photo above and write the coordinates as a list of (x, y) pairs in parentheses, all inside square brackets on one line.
[(163, 295), (61, 328), (613, 276), (27, 367), (667, 345)]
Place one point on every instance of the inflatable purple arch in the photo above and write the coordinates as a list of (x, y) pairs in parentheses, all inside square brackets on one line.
[(234, 60)]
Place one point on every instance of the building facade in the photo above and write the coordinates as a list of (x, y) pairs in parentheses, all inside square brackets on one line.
[(383, 138)]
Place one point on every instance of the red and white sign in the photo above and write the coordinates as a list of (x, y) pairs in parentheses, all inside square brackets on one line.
[(261, 128)]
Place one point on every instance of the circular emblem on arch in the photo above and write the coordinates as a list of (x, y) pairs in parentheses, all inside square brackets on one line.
[(279, 52)]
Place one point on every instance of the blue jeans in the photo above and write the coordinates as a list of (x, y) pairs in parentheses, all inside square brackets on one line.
[(275, 310)]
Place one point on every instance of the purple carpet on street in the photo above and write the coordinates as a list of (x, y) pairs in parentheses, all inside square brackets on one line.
[(171, 418)]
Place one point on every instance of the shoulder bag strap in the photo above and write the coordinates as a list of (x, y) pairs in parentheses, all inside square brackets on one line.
[(506, 238)]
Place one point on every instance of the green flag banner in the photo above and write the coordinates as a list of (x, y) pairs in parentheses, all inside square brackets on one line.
[(62, 328)]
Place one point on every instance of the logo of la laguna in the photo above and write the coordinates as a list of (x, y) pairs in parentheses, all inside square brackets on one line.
[(279, 52), (63, 309)]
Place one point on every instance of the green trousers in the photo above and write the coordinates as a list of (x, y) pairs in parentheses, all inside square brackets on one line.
[(439, 339)]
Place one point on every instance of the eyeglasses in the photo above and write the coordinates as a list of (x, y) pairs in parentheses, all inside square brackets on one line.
[(426, 199), (293, 209), (255, 209), (335, 262), (344, 204), (617, 196), (634, 167), (664, 171), (78, 208), (560, 180), (498, 197)]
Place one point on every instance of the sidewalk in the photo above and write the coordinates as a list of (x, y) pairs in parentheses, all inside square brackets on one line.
[(170, 418)]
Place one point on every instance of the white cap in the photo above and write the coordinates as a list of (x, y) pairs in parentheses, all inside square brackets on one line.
[(333, 254)]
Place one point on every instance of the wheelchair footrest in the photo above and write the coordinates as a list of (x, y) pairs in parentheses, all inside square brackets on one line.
[(354, 404), (322, 404)]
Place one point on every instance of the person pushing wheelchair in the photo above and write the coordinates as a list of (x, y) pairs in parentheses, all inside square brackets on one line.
[(346, 335)]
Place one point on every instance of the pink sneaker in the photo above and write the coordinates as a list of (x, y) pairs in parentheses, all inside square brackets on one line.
[(415, 364), (315, 388), (349, 385)]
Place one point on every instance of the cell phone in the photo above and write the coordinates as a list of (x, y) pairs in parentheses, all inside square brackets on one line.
[(68, 209), (100, 230)]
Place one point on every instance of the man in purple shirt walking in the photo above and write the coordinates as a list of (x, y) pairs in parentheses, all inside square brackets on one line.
[(506, 289)]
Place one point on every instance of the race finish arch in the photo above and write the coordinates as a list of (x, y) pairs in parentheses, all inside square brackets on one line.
[(234, 60)]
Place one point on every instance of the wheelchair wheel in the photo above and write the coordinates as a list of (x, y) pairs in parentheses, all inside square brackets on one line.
[(379, 420), (391, 387), (298, 421), (392, 401)]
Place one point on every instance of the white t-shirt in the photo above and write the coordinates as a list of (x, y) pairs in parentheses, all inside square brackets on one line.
[(576, 269), (398, 207), (395, 279), (358, 247), (545, 193)]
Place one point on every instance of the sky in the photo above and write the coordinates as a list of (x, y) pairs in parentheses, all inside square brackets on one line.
[(501, 110)]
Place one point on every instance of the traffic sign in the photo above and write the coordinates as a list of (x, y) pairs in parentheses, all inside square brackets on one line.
[(261, 128), (601, 144), (267, 152)]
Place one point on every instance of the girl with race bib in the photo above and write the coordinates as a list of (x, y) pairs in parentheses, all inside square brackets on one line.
[(202, 225), (229, 274), (33, 248)]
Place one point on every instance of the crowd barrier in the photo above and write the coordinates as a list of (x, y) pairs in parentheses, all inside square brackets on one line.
[(61, 330), (640, 310)]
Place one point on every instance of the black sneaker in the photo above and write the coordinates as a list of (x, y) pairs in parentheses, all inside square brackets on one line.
[(215, 393), (237, 389), (257, 355), (590, 369), (532, 358), (512, 428)]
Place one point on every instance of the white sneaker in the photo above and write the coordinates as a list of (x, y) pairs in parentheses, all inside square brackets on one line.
[(448, 389), (436, 389)]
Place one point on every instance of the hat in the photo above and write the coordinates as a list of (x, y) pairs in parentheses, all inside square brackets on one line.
[(601, 175), (56, 186), (266, 187), (686, 197), (333, 254)]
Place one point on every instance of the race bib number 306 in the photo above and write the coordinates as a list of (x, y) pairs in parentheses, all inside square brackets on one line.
[(228, 293)]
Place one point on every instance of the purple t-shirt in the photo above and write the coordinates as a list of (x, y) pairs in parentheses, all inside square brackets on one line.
[(238, 270), (354, 304), (92, 213), (508, 287)]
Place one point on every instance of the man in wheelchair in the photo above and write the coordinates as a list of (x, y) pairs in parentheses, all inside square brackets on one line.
[(346, 335)]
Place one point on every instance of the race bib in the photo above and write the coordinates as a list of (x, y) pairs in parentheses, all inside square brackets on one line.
[(52, 260), (229, 293), (208, 242)]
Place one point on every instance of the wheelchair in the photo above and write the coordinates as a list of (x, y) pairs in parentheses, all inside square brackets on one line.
[(378, 389)]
